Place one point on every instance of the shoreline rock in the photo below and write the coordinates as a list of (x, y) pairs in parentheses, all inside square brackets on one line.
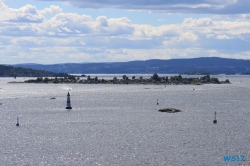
[(169, 110)]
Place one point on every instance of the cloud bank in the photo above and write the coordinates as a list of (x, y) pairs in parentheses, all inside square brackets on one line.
[(27, 35), (170, 6)]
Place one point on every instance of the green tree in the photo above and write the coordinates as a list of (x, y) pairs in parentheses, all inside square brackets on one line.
[(46, 80), (71, 77), (124, 77), (172, 78), (207, 78), (56, 81), (215, 80), (39, 79), (179, 78), (155, 77)]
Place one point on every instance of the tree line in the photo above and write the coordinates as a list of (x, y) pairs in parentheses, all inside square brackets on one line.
[(154, 79)]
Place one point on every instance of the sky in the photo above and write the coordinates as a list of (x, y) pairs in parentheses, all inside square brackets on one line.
[(75, 31)]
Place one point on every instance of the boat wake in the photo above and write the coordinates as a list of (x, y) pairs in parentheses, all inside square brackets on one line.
[(66, 87)]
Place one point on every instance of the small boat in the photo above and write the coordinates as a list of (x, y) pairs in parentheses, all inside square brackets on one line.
[(52, 98), (83, 75)]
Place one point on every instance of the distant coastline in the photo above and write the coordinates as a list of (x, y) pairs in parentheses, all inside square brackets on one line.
[(10, 71), (202, 65)]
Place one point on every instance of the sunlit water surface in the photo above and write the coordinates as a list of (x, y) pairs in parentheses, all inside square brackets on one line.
[(121, 125)]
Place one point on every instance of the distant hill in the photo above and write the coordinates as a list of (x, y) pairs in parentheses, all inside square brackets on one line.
[(10, 71), (213, 65)]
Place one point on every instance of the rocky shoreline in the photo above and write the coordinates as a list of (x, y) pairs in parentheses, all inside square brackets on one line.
[(169, 110)]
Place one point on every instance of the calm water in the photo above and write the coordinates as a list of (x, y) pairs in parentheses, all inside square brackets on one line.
[(120, 124)]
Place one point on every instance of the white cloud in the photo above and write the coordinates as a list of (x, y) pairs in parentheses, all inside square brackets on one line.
[(222, 37), (190, 22), (187, 36), (27, 13), (67, 37), (52, 10), (102, 20), (238, 17), (5, 13)]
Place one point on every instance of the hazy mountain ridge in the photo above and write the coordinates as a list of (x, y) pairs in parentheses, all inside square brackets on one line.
[(10, 71), (172, 66)]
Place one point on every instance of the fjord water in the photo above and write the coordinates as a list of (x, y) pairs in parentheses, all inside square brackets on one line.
[(120, 124)]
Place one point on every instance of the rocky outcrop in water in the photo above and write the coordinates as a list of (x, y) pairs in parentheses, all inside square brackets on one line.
[(169, 110)]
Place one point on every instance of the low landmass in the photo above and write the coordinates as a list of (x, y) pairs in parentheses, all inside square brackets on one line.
[(169, 110), (246, 73), (155, 79), (10, 71), (199, 72), (203, 65)]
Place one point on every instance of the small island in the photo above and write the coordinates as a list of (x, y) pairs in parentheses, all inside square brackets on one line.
[(169, 110), (155, 79)]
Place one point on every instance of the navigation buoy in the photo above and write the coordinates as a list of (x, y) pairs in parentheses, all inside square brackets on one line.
[(157, 102), (68, 102), (215, 121), (17, 124)]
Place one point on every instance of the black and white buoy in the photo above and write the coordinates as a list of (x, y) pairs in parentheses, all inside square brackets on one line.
[(17, 123), (215, 121), (157, 102), (68, 102)]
